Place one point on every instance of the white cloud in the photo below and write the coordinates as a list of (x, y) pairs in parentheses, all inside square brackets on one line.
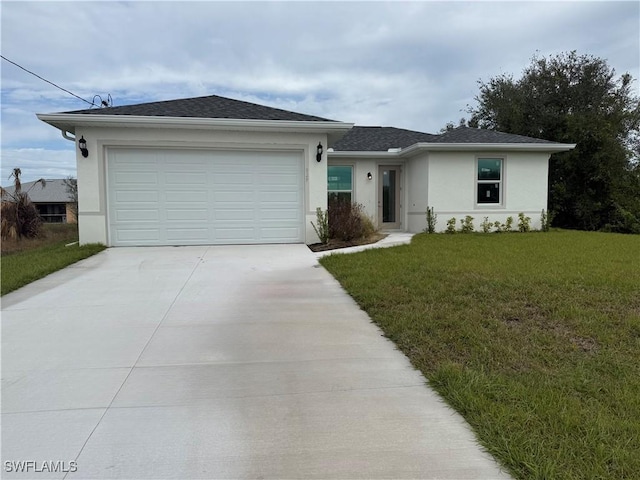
[(38, 163)]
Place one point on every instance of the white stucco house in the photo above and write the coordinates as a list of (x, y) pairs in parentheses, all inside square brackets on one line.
[(212, 170)]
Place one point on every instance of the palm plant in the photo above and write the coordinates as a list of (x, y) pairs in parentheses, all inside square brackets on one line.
[(20, 217)]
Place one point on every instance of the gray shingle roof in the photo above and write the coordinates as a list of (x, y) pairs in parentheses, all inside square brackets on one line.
[(480, 135), (377, 139), (55, 191), (211, 106)]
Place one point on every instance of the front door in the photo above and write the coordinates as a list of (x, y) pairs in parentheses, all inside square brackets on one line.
[(389, 197)]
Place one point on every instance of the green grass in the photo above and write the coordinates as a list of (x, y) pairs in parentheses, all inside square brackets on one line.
[(25, 261), (534, 338)]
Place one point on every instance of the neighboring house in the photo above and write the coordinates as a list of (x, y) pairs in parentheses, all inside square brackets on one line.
[(54, 202), (212, 170)]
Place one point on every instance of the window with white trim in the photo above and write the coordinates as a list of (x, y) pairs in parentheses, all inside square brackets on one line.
[(489, 184), (340, 183)]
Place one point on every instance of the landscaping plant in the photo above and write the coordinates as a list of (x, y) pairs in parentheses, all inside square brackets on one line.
[(486, 225), (322, 229), (451, 225), (524, 223), (466, 224), (432, 219), (347, 221), (20, 217)]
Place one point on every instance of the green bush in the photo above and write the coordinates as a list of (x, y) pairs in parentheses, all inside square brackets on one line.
[(322, 230), (486, 225), (524, 223), (432, 219), (451, 225), (466, 225)]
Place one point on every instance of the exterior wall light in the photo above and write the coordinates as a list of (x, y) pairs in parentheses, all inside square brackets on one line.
[(369, 176), (319, 151), (82, 145)]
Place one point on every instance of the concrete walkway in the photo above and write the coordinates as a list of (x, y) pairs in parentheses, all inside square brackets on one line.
[(214, 362)]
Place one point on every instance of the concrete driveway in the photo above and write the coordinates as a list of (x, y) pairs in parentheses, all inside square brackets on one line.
[(214, 362)]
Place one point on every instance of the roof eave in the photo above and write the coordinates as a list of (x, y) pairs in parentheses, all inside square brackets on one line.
[(69, 121), (488, 147), (371, 154)]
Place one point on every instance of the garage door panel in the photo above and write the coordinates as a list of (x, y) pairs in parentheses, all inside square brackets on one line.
[(171, 197), (233, 178), (237, 214), (232, 197), (185, 179), (139, 235), (235, 235), (187, 215), (284, 235), (270, 215), (186, 196), (278, 180), (279, 197), (138, 215), (128, 196), (137, 178), (187, 235)]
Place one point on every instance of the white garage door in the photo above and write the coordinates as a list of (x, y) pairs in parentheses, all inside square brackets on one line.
[(202, 197)]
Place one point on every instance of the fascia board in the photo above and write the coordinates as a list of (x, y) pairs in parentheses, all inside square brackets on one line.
[(68, 122), (374, 154), (486, 147), (459, 147)]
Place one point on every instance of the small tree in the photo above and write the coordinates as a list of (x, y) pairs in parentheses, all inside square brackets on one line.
[(20, 217), (322, 229), (432, 219)]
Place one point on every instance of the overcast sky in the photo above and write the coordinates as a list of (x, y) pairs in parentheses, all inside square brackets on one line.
[(412, 65)]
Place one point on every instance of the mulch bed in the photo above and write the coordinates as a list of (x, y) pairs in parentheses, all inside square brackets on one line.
[(335, 244)]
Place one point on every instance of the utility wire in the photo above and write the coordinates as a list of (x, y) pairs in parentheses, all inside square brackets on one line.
[(51, 83)]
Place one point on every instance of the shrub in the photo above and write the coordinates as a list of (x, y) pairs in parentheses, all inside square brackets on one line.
[(486, 225), (466, 225), (368, 228), (322, 230), (347, 220), (451, 225), (524, 223), (508, 225), (545, 220), (432, 219), (20, 217)]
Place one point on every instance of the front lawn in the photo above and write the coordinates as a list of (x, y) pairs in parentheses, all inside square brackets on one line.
[(534, 338), (28, 260)]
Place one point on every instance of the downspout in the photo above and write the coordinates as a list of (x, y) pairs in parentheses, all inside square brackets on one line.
[(65, 134)]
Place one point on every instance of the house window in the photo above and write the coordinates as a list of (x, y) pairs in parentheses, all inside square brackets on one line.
[(340, 183), (490, 180)]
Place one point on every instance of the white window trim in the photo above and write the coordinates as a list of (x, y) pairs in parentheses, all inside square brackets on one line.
[(503, 174)]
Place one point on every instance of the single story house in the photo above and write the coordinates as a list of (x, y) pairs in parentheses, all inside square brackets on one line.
[(213, 170), (54, 202)]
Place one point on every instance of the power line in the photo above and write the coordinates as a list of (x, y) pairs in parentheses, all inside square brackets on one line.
[(57, 86)]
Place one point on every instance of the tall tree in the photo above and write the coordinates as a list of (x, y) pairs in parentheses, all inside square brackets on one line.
[(573, 98)]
